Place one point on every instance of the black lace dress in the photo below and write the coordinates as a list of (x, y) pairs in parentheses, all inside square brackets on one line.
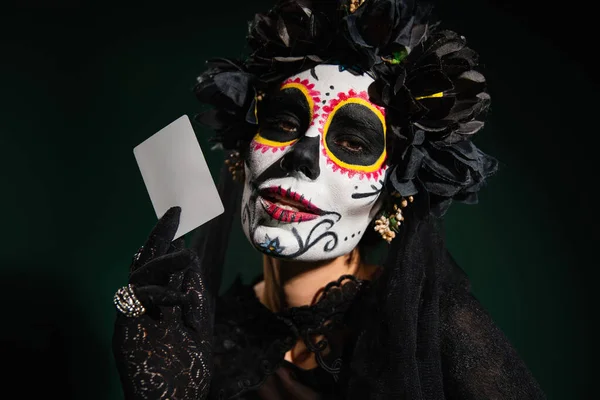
[(250, 343), (415, 332)]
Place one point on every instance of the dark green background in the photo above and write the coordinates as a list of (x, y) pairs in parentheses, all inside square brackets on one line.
[(79, 88)]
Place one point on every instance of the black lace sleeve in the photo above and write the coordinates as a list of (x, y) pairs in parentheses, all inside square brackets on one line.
[(478, 361), (165, 353)]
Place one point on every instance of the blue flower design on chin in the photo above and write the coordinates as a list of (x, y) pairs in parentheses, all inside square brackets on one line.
[(271, 246)]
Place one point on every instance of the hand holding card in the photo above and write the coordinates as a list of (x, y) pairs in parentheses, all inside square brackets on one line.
[(176, 174)]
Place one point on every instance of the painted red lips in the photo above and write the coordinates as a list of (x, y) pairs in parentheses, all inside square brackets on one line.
[(287, 206)]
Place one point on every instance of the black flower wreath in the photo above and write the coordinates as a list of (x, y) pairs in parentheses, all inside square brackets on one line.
[(425, 78)]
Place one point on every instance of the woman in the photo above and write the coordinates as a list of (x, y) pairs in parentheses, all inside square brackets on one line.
[(349, 123)]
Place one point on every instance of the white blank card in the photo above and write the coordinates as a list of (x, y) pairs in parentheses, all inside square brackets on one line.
[(176, 174)]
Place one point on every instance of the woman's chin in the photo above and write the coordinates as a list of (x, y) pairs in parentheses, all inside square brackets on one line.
[(276, 241)]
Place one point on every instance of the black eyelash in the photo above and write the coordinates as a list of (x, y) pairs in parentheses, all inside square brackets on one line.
[(282, 116), (276, 124), (353, 140), (275, 121)]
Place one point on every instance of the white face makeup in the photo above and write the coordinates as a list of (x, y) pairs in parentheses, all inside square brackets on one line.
[(315, 169)]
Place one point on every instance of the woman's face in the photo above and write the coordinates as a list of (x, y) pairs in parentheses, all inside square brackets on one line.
[(316, 167)]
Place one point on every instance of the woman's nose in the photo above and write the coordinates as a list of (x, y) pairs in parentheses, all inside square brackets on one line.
[(303, 157)]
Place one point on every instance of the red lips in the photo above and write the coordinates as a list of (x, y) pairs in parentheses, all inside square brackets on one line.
[(272, 198)]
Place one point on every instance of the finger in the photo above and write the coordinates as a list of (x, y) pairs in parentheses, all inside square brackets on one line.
[(161, 236), (135, 264), (178, 244), (158, 270), (154, 296)]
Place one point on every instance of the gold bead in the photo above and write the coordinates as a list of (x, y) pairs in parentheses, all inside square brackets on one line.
[(404, 203)]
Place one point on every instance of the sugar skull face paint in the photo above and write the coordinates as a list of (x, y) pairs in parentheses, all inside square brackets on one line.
[(316, 166)]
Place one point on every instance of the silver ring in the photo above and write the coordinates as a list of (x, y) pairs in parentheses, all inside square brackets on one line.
[(127, 303)]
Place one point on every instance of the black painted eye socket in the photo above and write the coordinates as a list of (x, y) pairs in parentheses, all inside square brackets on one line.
[(285, 116), (355, 135)]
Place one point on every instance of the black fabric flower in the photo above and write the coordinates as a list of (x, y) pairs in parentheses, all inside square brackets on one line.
[(436, 99), (231, 91), (426, 79), (293, 29), (293, 36), (442, 171), (381, 28)]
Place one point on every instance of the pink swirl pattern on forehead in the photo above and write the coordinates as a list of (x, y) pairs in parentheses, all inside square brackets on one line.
[(310, 89), (327, 109)]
